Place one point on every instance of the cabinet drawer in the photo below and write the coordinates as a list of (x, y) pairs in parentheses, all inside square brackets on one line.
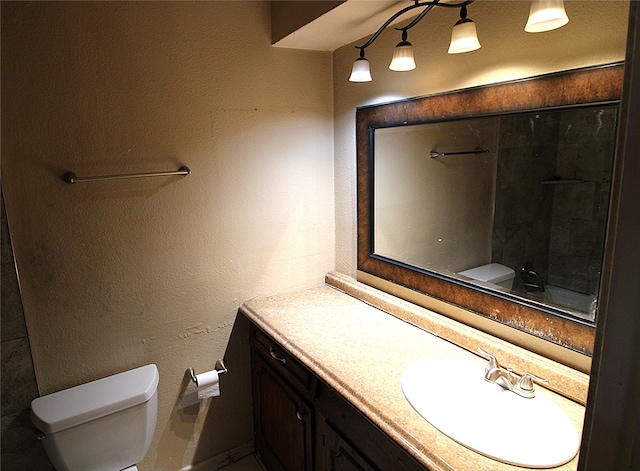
[(280, 360)]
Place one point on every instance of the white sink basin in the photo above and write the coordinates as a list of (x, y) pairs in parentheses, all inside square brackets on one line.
[(453, 396)]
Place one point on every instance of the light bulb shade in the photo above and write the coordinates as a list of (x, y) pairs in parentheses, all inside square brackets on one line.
[(464, 37), (360, 72), (402, 59), (546, 15)]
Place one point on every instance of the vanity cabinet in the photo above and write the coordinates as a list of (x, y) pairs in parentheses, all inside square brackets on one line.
[(302, 424), (282, 416)]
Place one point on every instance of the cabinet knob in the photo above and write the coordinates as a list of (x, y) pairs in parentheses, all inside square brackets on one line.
[(336, 454), (299, 415), (276, 356)]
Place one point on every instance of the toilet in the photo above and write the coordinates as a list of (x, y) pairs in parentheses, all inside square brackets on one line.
[(104, 425), (492, 275)]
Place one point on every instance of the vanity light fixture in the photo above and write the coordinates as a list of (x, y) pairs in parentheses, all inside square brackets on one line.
[(464, 37), (360, 71), (403, 55), (545, 15)]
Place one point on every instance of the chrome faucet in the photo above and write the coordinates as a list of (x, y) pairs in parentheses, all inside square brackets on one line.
[(530, 277), (507, 379)]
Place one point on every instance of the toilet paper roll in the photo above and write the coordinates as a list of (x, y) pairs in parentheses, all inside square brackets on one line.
[(208, 384)]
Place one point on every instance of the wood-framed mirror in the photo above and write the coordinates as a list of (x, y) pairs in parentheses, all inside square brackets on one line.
[(594, 90)]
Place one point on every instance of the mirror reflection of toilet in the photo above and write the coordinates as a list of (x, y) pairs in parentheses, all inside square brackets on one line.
[(492, 275), (104, 425)]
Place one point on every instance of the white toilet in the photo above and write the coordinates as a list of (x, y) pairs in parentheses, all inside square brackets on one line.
[(492, 275), (104, 425)]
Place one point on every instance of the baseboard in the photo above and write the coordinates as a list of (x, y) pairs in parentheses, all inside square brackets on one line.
[(223, 459)]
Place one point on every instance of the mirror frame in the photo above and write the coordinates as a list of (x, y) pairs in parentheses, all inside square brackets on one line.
[(586, 86)]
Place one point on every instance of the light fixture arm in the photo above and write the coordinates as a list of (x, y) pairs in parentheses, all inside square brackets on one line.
[(417, 4), (417, 19), (463, 12)]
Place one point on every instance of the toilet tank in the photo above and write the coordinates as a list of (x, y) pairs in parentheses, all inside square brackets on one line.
[(491, 274), (104, 425)]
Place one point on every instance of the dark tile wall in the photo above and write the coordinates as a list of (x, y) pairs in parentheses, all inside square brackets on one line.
[(19, 444), (558, 227), (527, 150), (585, 149)]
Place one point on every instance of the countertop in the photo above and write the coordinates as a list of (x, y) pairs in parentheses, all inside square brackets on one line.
[(362, 351)]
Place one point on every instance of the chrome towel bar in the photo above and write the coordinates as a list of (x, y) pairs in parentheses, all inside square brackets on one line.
[(71, 177), (434, 153)]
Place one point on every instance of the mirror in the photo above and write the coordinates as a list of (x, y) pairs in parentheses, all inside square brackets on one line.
[(528, 191), (516, 175)]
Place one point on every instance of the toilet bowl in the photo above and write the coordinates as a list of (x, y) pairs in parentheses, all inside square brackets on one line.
[(104, 425), (492, 275)]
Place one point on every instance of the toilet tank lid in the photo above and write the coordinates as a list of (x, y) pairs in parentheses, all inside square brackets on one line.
[(492, 272), (90, 401)]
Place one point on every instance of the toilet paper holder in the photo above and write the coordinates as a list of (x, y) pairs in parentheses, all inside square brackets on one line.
[(220, 368)]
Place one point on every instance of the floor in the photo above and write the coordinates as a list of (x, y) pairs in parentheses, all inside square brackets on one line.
[(250, 463)]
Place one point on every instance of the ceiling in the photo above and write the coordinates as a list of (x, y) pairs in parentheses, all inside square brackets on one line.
[(344, 24)]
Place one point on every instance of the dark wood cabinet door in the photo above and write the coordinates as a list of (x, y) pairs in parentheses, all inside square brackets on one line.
[(339, 455), (283, 421), (356, 442), (302, 424)]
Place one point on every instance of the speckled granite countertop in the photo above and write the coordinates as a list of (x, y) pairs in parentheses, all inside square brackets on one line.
[(361, 352)]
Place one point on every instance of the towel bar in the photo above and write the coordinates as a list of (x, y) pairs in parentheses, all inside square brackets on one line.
[(71, 177)]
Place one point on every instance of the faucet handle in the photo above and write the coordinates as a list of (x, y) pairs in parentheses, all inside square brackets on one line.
[(525, 383), (493, 363)]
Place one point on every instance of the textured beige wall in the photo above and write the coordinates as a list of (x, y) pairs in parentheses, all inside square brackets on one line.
[(596, 34), (119, 274)]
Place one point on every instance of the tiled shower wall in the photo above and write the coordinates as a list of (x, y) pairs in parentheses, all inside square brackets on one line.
[(585, 152), (527, 148), (21, 450), (559, 227)]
